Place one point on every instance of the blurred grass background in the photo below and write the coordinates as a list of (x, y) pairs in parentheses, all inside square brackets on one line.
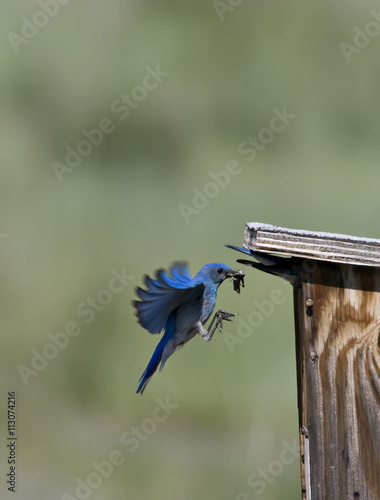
[(120, 209)]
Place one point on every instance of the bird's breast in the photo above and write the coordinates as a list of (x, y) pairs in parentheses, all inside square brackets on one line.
[(209, 300)]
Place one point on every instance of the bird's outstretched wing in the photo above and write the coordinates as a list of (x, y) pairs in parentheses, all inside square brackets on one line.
[(165, 294)]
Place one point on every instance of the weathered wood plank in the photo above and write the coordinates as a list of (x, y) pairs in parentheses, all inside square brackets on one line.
[(337, 317), (312, 245)]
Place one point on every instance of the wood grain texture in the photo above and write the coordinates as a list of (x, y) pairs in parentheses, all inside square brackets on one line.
[(338, 370), (311, 244)]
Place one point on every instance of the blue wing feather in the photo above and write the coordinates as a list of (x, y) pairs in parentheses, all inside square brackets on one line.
[(165, 294), (180, 272)]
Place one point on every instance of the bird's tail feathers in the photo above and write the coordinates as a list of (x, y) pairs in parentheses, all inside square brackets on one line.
[(156, 359), (151, 368)]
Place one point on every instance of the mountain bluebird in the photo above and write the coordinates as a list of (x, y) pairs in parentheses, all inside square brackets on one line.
[(180, 306)]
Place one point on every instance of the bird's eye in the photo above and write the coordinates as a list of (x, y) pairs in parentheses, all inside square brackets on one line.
[(220, 270)]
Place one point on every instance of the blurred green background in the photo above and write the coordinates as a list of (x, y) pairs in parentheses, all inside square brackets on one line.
[(227, 66)]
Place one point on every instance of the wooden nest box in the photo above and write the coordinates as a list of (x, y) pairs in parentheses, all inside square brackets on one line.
[(336, 283)]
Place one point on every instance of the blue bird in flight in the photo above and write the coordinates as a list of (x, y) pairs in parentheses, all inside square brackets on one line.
[(180, 305)]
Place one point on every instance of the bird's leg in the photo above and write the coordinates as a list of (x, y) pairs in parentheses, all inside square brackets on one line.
[(218, 318)]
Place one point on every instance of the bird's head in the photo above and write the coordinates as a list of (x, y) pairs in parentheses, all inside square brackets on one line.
[(217, 272)]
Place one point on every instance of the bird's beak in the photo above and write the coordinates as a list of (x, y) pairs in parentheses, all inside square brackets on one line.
[(235, 274)]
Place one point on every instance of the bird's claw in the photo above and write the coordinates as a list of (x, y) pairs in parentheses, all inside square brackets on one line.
[(218, 319), (222, 316)]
